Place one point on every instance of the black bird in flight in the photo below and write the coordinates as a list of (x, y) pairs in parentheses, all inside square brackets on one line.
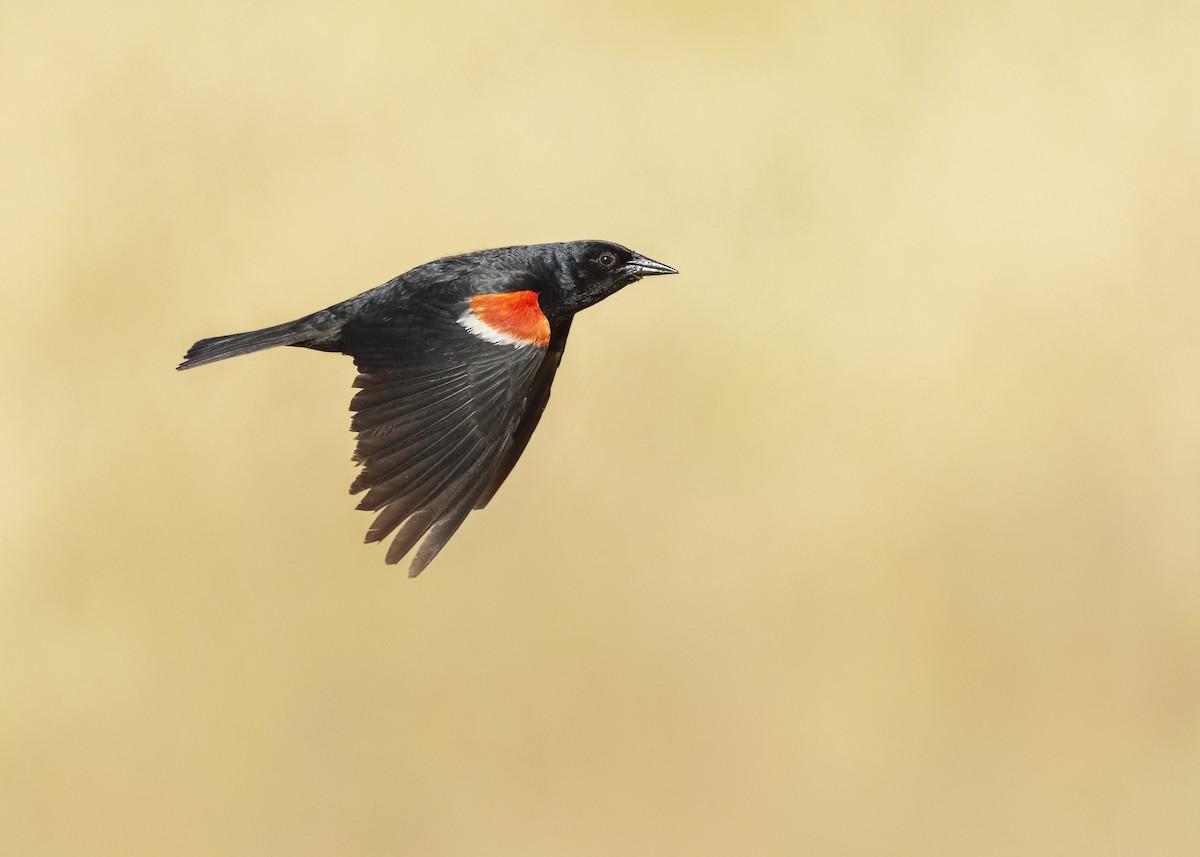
[(455, 360)]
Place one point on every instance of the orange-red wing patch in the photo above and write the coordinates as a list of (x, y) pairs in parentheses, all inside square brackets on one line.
[(513, 318)]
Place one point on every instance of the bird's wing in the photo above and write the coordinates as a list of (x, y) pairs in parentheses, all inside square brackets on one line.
[(447, 390)]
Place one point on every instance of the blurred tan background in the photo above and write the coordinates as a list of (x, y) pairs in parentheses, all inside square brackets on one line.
[(876, 532)]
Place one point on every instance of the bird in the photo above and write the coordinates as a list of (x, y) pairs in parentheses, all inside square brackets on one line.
[(455, 360)]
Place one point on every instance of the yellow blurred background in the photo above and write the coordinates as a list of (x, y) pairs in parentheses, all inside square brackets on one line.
[(876, 532)]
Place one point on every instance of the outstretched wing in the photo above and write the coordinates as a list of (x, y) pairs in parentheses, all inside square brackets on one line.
[(447, 390)]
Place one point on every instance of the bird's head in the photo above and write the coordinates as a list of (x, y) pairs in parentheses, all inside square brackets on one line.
[(582, 273)]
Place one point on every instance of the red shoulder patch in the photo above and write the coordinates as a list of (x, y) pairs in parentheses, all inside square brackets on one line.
[(512, 318)]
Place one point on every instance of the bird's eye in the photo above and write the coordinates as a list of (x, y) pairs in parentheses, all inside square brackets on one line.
[(606, 260)]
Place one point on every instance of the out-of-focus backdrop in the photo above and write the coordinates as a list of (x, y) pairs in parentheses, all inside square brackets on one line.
[(875, 532)]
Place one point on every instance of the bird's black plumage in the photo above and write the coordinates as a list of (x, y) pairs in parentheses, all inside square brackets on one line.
[(455, 361)]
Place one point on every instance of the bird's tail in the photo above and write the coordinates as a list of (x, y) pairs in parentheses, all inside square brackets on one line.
[(221, 347)]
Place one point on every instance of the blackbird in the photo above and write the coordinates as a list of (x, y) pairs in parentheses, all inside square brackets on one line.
[(455, 360)]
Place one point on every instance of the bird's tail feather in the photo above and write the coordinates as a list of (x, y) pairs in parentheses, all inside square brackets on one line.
[(221, 347)]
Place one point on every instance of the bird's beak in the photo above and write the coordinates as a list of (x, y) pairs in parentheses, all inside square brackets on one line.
[(640, 266)]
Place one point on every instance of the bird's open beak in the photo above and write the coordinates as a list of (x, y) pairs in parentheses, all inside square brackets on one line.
[(640, 266)]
